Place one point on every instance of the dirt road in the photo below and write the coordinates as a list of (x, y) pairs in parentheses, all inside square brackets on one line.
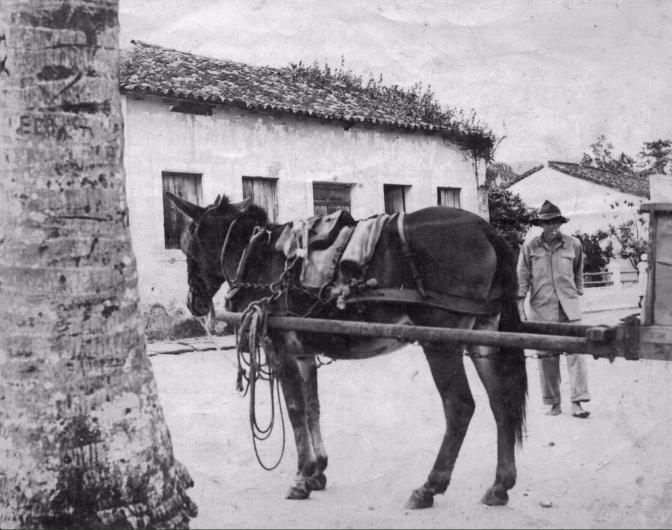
[(382, 423)]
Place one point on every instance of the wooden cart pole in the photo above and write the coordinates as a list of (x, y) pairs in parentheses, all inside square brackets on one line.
[(596, 342)]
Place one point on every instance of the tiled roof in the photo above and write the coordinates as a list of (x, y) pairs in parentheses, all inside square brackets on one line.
[(507, 177), (632, 183), (154, 70)]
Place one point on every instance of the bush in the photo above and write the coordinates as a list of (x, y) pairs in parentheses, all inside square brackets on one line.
[(509, 215), (596, 254)]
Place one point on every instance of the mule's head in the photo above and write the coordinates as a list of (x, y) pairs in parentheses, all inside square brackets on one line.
[(202, 242)]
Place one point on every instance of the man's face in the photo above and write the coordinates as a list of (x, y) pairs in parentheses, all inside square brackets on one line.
[(551, 229)]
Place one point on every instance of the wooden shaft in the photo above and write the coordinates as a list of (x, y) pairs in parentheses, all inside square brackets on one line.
[(559, 328), (565, 344)]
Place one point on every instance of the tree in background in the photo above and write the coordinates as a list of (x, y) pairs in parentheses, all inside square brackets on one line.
[(83, 440), (509, 215), (656, 157), (599, 247), (601, 156), (597, 252), (632, 244)]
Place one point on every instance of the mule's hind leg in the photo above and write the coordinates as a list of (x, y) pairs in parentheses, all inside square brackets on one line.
[(447, 367), (503, 394), (308, 366)]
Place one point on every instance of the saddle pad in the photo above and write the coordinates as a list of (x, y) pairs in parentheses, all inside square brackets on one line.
[(319, 266), (322, 230), (362, 243)]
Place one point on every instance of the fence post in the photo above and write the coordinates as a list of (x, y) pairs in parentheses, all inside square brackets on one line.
[(615, 269)]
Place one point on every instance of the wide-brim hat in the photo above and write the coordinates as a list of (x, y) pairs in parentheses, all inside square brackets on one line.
[(548, 212)]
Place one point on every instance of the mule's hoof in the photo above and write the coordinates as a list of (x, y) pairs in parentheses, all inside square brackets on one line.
[(495, 497), (420, 499), (298, 492), (317, 483)]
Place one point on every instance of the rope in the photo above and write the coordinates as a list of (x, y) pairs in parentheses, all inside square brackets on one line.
[(257, 355)]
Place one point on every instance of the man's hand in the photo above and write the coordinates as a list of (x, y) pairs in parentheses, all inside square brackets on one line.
[(521, 309)]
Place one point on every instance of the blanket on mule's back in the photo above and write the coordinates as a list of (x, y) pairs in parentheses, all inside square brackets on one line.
[(452, 250)]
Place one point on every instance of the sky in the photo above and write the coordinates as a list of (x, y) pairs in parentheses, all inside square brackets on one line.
[(546, 76)]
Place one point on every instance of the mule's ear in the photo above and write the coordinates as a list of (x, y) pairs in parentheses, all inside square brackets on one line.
[(194, 211), (242, 205), (219, 198)]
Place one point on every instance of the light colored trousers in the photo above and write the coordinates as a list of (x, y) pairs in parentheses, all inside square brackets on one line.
[(549, 374)]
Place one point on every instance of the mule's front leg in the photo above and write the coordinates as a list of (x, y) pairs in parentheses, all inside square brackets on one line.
[(458, 404), (293, 389)]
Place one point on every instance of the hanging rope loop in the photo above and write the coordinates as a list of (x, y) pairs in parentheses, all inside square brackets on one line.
[(258, 360)]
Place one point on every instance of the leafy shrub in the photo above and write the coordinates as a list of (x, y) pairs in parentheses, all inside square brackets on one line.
[(509, 215)]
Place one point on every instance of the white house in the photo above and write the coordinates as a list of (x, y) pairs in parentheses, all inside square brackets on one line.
[(298, 144), (591, 198)]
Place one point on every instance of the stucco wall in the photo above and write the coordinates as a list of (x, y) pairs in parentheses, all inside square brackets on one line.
[(587, 205), (235, 142)]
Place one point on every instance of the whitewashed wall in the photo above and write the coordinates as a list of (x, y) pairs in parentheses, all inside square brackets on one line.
[(235, 142), (585, 204)]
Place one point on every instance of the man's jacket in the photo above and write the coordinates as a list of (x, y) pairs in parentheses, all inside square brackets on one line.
[(553, 276)]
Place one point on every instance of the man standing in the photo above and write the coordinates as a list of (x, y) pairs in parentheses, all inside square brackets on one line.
[(550, 267)]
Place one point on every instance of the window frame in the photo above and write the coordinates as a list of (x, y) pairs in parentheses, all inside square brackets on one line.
[(388, 188), (272, 215), (457, 193), (332, 205), (174, 221)]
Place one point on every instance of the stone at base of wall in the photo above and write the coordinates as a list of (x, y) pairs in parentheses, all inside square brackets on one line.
[(164, 324)]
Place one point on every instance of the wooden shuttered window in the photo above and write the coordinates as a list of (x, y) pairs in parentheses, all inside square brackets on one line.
[(263, 192), (395, 198), (330, 196), (184, 185)]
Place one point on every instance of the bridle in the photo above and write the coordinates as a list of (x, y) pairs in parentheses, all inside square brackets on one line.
[(223, 251)]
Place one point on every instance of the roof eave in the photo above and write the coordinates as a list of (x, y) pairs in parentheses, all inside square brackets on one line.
[(478, 144)]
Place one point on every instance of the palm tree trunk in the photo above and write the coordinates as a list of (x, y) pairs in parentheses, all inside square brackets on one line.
[(83, 441)]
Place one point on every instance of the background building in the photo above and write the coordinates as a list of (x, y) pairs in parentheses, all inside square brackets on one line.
[(298, 141)]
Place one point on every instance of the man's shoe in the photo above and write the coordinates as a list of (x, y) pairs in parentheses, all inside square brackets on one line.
[(554, 410), (578, 411)]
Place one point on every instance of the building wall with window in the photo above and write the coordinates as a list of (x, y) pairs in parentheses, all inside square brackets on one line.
[(239, 152)]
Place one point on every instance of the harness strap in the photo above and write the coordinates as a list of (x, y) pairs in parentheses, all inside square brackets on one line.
[(449, 302), (256, 234), (408, 255), (221, 254)]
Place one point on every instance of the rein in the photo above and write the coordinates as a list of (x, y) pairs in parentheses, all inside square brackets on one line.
[(257, 358), (252, 340)]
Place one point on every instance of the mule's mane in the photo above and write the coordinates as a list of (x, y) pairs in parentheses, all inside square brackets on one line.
[(256, 215), (252, 214)]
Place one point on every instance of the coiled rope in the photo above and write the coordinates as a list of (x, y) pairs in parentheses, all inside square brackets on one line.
[(258, 360)]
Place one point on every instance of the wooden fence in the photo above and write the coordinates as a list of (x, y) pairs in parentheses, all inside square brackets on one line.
[(606, 278)]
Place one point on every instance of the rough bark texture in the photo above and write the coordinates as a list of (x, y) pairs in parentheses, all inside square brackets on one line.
[(83, 441)]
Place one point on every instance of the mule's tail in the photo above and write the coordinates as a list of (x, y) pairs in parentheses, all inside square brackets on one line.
[(510, 361)]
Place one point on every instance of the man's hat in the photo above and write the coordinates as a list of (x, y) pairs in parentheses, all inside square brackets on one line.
[(547, 212)]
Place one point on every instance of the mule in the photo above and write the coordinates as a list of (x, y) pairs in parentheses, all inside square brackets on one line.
[(467, 277)]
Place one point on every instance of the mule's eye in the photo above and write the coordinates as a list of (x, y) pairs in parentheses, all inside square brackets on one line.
[(192, 228)]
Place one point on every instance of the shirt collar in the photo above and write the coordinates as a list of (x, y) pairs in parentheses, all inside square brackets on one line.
[(546, 245)]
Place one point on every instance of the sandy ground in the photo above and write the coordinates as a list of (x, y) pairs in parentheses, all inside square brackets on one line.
[(382, 422)]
